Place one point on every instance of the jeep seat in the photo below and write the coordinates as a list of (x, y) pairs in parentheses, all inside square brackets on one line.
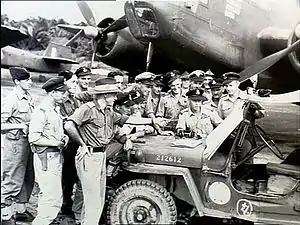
[(284, 169)]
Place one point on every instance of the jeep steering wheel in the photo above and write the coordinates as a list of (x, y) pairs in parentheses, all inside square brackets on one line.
[(268, 142)]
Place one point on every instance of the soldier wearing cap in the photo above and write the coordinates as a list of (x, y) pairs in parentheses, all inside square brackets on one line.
[(92, 126), (118, 75), (173, 103), (196, 81), (185, 77), (144, 81), (154, 96), (208, 77), (17, 169), (216, 94), (198, 120), (69, 173), (47, 139), (84, 78), (231, 87)]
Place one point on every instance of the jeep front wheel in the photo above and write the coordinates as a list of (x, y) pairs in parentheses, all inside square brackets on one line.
[(141, 202)]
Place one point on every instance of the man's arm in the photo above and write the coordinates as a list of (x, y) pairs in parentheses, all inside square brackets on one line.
[(72, 131), (5, 127), (36, 128)]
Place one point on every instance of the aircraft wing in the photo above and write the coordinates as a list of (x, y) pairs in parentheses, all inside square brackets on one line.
[(10, 35), (57, 60)]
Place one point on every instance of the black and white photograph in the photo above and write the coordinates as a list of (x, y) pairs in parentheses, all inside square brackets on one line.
[(150, 112)]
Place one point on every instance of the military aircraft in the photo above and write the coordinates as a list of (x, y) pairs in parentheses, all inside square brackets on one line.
[(56, 57), (224, 35)]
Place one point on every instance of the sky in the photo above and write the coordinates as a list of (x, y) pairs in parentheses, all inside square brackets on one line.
[(67, 10)]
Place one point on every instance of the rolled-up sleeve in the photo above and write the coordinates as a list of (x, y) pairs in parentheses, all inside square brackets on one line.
[(36, 126), (161, 108), (7, 108)]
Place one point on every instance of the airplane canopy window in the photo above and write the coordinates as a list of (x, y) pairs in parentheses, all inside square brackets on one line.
[(148, 22)]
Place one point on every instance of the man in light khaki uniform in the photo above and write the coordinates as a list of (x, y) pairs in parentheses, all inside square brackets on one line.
[(173, 103), (47, 138), (231, 86), (92, 126), (17, 165), (198, 120)]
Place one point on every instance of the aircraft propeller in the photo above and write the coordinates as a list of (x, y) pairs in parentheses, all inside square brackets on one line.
[(267, 62), (97, 34)]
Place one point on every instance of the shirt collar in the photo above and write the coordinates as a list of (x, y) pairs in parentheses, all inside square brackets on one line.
[(21, 94)]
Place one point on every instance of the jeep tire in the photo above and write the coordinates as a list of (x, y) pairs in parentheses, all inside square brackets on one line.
[(141, 202)]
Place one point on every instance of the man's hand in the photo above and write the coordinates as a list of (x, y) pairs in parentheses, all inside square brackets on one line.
[(65, 140), (81, 152), (128, 145), (179, 132), (162, 122)]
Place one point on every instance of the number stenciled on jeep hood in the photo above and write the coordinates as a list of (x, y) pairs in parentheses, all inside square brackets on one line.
[(167, 158)]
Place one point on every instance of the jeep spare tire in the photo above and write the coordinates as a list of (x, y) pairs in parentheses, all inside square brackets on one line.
[(141, 202)]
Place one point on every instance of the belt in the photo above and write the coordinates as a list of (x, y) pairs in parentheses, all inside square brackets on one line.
[(97, 149), (52, 149)]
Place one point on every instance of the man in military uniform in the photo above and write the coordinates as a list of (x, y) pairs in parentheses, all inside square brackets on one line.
[(216, 93), (231, 86), (119, 77), (185, 77), (17, 166), (69, 173), (196, 81), (171, 105), (154, 96), (198, 120), (208, 77), (144, 82), (84, 78), (96, 127), (47, 138)]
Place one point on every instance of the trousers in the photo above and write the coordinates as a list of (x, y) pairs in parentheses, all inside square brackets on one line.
[(91, 171), (69, 179), (17, 173), (50, 196)]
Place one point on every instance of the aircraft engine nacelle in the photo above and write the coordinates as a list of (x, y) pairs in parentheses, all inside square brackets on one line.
[(120, 49)]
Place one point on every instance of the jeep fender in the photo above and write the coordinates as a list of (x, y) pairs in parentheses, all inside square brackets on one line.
[(187, 176)]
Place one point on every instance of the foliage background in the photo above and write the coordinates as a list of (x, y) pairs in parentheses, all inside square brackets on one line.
[(42, 30)]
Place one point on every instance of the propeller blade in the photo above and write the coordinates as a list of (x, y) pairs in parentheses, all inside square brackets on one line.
[(118, 24), (87, 13), (267, 62), (74, 38), (70, 28)]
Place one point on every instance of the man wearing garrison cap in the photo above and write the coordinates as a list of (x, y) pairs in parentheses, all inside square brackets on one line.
[(69, 208), (47, 139), (231, 87), (92, 126), (197, 120), (84, 76), (173, 103), (16, 111)]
